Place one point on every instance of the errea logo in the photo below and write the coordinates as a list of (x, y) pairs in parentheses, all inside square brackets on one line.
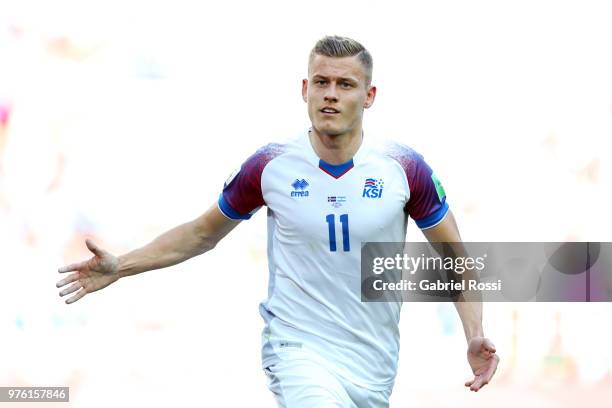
[(373, 188), (299, 188)]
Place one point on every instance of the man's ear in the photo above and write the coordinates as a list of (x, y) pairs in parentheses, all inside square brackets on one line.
[(370, 98), (305, 90)]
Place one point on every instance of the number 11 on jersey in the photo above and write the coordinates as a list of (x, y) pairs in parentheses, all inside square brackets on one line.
[(331, 226)]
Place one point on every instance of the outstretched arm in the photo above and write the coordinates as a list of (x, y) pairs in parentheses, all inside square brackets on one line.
[(481, 351), (179, 244), (172, 247)]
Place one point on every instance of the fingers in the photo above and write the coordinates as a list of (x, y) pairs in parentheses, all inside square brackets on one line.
[(72, 267), (492, 368), (77, 296), (488, 345), (67, 280), (94, 248), (478, 384), (480, 380), (76, 286), (482, 346), (72, 288), (80, 265)]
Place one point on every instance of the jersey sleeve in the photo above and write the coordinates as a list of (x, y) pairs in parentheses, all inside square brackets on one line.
[(242, 193), (427, 204)]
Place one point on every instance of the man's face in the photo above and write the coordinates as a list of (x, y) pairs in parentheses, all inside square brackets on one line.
[(337, 93)]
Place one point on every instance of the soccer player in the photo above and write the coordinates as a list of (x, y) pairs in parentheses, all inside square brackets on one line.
[(326, 192)]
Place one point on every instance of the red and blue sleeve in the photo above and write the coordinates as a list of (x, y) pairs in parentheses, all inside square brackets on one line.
[(427, 204), (242, 193)]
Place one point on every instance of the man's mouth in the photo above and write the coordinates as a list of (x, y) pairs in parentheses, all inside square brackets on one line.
[(329, 110)]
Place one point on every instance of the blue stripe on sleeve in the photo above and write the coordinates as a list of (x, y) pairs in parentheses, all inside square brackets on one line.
[(434, 218), (229, 212)]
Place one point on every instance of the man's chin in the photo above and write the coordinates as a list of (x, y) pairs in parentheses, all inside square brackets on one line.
[(330, 131)]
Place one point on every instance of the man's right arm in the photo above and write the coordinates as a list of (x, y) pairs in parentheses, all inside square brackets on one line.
[(172, 247), (178, 244)]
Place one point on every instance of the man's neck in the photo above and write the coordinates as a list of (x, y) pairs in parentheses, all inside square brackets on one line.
[(335, 149)]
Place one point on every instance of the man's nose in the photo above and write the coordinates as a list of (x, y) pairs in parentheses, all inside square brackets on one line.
[(330, 94)]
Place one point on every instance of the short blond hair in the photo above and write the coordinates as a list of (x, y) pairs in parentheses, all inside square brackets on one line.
[(338, 47)]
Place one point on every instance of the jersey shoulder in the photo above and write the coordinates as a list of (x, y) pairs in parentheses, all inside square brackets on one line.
[(427, 203), (265, 154), (242, 194), (406, 156)]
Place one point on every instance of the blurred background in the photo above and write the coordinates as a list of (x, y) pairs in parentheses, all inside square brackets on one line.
[(120, 120)]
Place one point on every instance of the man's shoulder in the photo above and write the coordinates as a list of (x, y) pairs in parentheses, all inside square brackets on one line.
[(269, 151), (277, 148), (405, 155), (265, 154), (398, 150)]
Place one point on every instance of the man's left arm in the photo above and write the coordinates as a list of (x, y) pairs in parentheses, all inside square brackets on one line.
[(481, 352)]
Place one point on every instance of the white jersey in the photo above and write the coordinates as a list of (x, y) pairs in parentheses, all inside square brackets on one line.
[(318, 216)]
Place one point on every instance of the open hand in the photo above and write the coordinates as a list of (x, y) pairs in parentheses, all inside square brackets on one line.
[(91, 275)]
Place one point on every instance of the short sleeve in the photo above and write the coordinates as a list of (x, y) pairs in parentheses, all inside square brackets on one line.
[(242, 194), (426, 204)]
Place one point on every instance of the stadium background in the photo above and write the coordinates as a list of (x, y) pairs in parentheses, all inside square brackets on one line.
[(120, 120)]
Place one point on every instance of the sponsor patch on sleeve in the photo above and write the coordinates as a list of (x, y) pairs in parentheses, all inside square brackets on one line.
[(439, 188)]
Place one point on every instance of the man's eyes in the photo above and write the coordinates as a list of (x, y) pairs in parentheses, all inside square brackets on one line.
[(322, 82)]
